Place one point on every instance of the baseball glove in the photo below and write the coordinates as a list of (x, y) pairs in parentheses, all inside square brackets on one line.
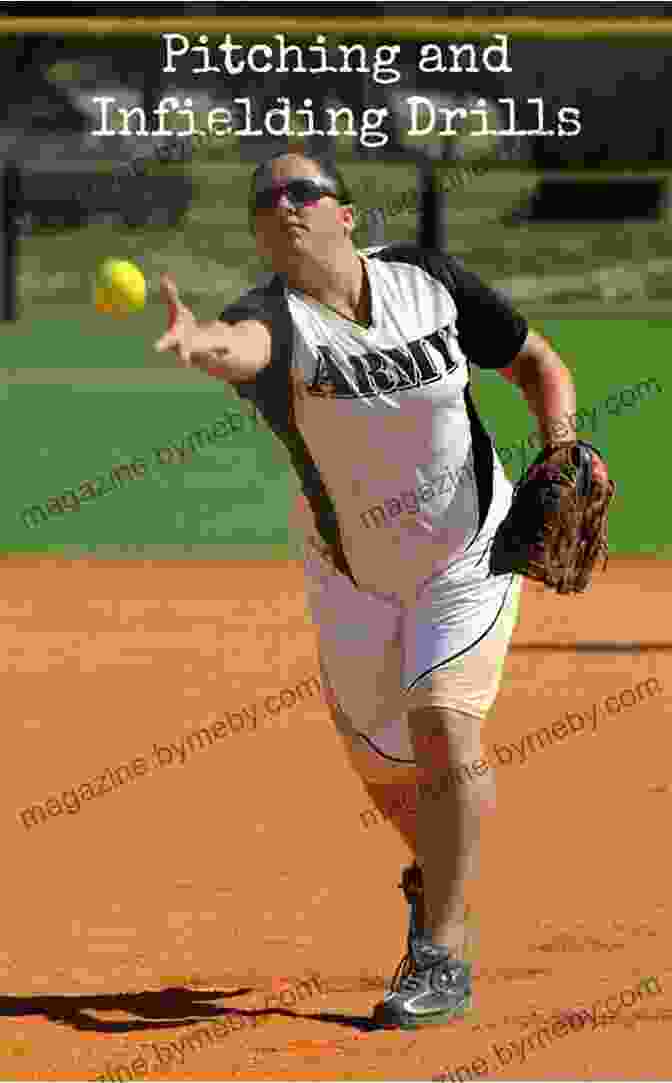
[(556, 528)]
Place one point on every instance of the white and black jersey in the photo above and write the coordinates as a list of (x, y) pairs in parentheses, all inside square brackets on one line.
[(398, 470)]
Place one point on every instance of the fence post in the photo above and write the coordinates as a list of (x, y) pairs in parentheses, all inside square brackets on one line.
[(375, 226), (11, 208)]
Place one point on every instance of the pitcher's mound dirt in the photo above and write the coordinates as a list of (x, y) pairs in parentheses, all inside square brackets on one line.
[(218, 906)]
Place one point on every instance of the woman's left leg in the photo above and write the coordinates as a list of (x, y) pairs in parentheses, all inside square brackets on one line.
[(455, 791), (455, 650)]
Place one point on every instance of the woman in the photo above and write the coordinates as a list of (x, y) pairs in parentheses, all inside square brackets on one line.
[(359, 362)]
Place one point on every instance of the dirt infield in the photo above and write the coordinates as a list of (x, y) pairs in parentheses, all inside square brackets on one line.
[(221, 911)]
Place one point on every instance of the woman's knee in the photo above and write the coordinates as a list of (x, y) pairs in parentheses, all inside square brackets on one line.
[(449, 754), (443, 737)]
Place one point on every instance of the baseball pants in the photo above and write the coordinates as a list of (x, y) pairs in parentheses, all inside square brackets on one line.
[(381, 657)]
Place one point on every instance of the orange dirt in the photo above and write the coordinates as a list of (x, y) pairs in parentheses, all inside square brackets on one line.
[(247, 870)]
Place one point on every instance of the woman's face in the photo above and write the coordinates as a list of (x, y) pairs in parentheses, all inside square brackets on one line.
[(290, 231)]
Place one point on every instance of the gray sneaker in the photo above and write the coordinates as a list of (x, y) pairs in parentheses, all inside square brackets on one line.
[(430, 986)]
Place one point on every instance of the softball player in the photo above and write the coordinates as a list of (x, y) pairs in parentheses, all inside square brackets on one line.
[(359, 361)]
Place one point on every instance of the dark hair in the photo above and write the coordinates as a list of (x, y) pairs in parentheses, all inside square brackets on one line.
[(327, 168)]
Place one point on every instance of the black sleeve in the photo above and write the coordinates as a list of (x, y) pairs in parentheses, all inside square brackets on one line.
[(489, 329), (265, 302), (257, 304)]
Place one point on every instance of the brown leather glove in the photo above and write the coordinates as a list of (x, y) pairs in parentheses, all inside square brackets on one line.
[(556, 528)]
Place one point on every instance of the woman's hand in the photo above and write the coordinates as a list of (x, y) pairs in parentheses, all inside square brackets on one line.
[(183, 334)]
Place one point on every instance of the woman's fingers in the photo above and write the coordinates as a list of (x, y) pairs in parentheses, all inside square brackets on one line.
[(169, 294), (206, 361), (183, 354), (169, 291), (169, 341), (180, 320)]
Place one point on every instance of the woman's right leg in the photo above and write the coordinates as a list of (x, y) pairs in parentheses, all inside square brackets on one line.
[(391, 786)]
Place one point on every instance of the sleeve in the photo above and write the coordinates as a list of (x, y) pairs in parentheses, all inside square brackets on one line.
[(491, 332), (267, 303), (259, 303), (262, 303), (489, 329)]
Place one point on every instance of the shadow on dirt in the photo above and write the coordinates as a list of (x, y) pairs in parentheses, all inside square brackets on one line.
[(156, 1010), (151, 1010)]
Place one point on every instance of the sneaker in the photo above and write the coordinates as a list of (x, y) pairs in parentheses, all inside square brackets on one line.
[(430, 986)]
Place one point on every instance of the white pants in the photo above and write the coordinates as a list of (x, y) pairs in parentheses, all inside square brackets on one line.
[(383, 657)]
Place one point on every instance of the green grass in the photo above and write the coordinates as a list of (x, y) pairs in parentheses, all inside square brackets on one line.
[(212, 254), (605, 358), (235, 492), (238, 494)]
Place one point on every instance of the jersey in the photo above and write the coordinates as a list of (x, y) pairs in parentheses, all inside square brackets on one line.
[(399, 475)]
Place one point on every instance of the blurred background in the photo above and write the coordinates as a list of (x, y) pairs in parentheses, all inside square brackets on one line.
[(575, 231)]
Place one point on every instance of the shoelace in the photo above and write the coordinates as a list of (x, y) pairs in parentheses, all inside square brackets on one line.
[(408, 976), (405, 976)]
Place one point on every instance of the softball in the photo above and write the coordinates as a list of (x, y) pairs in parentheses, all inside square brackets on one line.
[(120, 288)]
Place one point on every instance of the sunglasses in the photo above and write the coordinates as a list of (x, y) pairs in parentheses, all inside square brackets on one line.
[(300, 192)]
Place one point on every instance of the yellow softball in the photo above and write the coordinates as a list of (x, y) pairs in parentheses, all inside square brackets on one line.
[(120, 287)]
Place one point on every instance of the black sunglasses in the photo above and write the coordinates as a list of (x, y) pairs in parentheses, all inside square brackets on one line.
[(300, 191)]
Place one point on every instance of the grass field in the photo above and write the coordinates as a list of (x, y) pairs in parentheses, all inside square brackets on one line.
[(212, 254), (83, 392)]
